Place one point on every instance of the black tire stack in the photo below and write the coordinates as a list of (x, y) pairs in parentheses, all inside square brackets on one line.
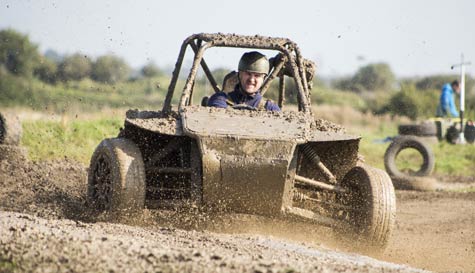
[(408, 142), (417, 137), (469, 132), (427, 131)]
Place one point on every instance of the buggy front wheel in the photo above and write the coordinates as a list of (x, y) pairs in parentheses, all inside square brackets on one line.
[(370, 204), (116, 177)]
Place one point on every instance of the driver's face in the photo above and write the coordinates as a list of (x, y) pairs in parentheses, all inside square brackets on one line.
[(251, 82)]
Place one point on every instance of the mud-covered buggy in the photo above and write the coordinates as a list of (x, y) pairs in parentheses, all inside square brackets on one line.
[(278, 164)]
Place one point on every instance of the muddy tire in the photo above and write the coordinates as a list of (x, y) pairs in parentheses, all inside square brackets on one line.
[(423, 129), (452, 134), (469, 133), (372, 202), (10, 129), (116, 176), (405, 142)]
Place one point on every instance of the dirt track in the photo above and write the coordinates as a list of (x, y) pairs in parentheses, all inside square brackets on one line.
[(44, 227)]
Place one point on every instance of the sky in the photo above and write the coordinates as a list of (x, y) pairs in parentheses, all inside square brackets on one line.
[(415, 37)]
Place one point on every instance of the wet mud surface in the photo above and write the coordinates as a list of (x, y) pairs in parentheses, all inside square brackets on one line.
[(45, 227)]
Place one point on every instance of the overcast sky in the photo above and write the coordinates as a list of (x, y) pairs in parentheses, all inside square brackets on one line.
[(415, 37)]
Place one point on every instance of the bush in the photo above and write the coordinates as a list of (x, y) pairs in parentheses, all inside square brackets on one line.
[(412, 103), (46, 71), (151, 70), (374, 77), (75, 67), (371, 77), (110, 69)]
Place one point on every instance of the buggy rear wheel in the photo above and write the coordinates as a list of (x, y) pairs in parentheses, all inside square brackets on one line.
[(116, 177), (371, 205)]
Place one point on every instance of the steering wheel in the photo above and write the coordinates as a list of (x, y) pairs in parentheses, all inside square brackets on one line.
[(243, 106)]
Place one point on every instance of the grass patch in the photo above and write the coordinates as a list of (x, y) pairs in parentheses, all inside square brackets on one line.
[(373, 147), (454, 159), (74, 139)]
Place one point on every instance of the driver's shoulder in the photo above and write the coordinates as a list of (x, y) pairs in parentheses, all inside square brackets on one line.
[(270, 105), (219, 94)]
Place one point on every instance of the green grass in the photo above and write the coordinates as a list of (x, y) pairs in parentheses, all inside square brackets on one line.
[(372, 146), (77, 139), (454, 159)]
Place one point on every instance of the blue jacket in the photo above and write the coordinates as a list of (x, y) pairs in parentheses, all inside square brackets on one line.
[(447, 103), (219, 99)]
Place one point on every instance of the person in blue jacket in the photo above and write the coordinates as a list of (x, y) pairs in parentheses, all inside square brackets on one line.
[(252, 69), (447, 104)]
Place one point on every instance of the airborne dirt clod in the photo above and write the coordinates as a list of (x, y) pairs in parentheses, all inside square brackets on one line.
[(45, 227)]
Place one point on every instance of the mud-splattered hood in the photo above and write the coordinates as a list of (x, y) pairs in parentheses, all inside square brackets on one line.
[(288, 126), (244, 123), (199, 121)]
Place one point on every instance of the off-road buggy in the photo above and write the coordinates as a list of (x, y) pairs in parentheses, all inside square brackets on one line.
[(278, 164)]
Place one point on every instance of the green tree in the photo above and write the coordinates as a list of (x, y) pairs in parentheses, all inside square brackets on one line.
[(17, 53), (371, 77), (110, 69), (75, 67), (345, 83), (150, 70), (46, 70), (374, 77), (412, 103)]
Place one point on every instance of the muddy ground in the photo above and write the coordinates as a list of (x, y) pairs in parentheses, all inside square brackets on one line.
[(45, 227)]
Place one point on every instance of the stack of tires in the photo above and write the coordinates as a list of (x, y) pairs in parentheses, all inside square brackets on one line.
[(408, 142), (10, 136), (417, 137), (427, 131), (469, 132)]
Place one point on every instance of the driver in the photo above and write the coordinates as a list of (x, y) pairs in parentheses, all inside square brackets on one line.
[(253, 68)]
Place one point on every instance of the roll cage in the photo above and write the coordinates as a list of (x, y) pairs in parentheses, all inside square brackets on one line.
[(288, 62)]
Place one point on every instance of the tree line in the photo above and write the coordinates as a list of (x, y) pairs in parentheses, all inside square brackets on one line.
[(374, 82), (19, 56)]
